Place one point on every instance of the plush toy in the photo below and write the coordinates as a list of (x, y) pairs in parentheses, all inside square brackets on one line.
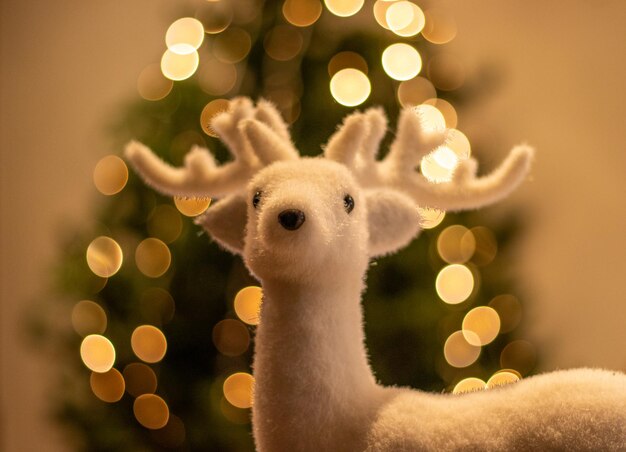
[(307, 229)]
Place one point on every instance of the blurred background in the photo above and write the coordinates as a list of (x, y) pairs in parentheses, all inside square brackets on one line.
[(79, 79)]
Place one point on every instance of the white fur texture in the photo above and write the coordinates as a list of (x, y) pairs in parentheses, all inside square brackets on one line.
[(314, 388)]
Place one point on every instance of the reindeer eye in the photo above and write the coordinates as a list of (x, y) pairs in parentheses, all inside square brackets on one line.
[(348, 203), (256, 199)]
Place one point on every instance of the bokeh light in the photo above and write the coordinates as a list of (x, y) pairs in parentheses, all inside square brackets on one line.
[(104, 256), (509, 310), (88, 318), (459, 143), (415, 91), (347, 59), (231, 337), (458, 352), (344, 8), (481, 325), (401, 61), (110, 175), (519, 355), (454, 283), (140, 379), (239, 416), (172, 435), (192, 207), (97, 353), (486, 246), (206, 116), (216, 77), (247, 304), (470, 384), (283, 42), (152, 257), (232, 45), (179, 67), (152, 84), (502, 378), (440, 26), (302, 13), (446, 72), (380, 12), (405, 18), (430, 218), (156, 306), (446, 109), (148, 343), (350, 87), (238, 389), (165, 223), (456, 244), (439, 165), (430, 117), (215, 16), (108, 386), (151, 411), (185, 35)]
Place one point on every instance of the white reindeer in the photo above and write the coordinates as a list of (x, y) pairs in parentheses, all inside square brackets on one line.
[(307, 228)]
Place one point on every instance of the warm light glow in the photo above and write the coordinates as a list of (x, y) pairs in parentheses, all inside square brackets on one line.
[(192, 207), (247, 304), (283, 42), (459, 143), (88, 318), (104, 256), (401, 61), (232, 45), (519, 355), (240, 416), (440, 26), (458, 352), (97, 353), (185, 36), (430, 218), (439, 165), (405, 18), (151, 411), (215, 16), (148, 343), (140, 379), (238, 389), (152, 84), (107, 386), (481, 325), (455, 244), (208, 112), (172, 435), (157, 306), (470, 384), (430, 117), (446, 109), (231, 337), (302, 13), (152, 257), (350, 87), (380, 12), (344, 8), (347, 59), (454, 283), (110, 175), (502, 378), (179, 67), (486, 246), (215, 77), (509, 310), (415, 91), (165, 223), (446, 72)]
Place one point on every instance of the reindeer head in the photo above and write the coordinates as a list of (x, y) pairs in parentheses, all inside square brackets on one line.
[(305, 219)]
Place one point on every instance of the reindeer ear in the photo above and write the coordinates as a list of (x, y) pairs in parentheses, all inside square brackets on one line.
[(226, 222), (393, 221)]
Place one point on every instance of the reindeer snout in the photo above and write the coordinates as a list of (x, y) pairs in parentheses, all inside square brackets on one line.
[(291, 219)]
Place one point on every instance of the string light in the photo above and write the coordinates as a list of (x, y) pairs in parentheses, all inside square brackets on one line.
[(110, 175), (184, 36), (350, 87), (470, 384), (344, 8), (302, 13), (481, 325), (247, 304), (97, 353), (152, 84), (179, 67), (401, 61), (88, 318), (238, 389), (140, 379), (151, 411), (454, 283), (148, 343), (458, 352), (108, 386), (152, 257), (104, 256)]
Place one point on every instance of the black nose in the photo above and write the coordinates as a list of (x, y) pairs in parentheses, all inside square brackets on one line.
[(291, 219)]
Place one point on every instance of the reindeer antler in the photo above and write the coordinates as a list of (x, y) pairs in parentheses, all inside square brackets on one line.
[(201, 176), (413, 141)]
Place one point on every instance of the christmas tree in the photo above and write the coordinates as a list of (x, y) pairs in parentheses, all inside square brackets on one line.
[(160, 355)]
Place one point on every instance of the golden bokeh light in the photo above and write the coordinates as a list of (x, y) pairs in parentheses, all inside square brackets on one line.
[(405, 18), (247, 304), (240, 416), (165, 223), (446, 109), (519, 355), (283, 42), (439, 165), (502, 378), (179, 67), (185, 35), (108, 386), (302, 13), (152, 84), (172, 435), (380, 12), (458, 352), (192, 207), (459, 143), (344, 8), (347, 59), (481, 325), (454, 283), (401, 61), (430, 218), (350, 87), (140, 379), (215, 16), (110, 175), (104, 256), (509, 309), (415, 91), (152, 257), (430, 117), (232, 45), (456, 244), (446, 72), (440, 26), (216, 78), (97, 353), (88, 318), (470, 384), (231, 337), (208, 112), (151, 411), (157, 306), (148, 343), (238, 389), (486, 246)]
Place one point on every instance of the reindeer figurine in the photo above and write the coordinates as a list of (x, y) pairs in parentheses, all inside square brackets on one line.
[(307, 229)]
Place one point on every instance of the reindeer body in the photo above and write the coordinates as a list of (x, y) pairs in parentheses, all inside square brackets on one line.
[(307, 229)]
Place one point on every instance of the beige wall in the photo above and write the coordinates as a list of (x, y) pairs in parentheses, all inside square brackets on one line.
[(66, 65)]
